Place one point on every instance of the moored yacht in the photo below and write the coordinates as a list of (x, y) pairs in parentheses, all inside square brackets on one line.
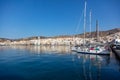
[(89, 49), (98, 50)]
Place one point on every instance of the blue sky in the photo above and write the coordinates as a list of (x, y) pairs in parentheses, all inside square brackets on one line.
[(25, 18)]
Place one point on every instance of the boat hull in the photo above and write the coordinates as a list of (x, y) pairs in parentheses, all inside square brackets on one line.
[(82, 52)]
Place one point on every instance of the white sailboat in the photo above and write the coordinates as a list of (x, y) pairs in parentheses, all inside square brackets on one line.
[(96, 49)]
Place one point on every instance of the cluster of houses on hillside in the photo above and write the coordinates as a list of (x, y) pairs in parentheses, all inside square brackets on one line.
[(60, 41)]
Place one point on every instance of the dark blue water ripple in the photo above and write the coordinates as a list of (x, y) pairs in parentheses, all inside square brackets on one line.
[(23, 64)]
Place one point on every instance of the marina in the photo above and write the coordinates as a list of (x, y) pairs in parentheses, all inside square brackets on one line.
[(59, 40)]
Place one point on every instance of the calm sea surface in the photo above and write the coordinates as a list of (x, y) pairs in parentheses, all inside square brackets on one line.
[(55, 63)]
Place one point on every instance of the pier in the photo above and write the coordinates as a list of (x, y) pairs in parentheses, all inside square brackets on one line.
[(115, 51)]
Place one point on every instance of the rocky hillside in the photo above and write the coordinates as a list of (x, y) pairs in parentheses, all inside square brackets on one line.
[(93, 34), (101, 33), (4, 39)]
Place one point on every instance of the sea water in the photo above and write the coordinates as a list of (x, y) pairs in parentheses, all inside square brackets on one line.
[(55, 63)]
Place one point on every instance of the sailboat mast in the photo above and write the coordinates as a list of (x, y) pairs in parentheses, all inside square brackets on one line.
[(84, 21), (90, 23), (97, 31)]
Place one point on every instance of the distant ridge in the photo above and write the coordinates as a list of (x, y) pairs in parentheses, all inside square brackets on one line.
[(93, 34), (101, 33), (109, 32)]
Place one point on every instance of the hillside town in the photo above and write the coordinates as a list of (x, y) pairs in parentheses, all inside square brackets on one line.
[(66, 41)]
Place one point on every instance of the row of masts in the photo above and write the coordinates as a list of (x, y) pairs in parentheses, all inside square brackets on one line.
[(97, 27)]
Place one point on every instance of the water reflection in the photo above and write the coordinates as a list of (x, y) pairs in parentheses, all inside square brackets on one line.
[(114, 62), (82, 66), (94, 66), (41, 49)]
